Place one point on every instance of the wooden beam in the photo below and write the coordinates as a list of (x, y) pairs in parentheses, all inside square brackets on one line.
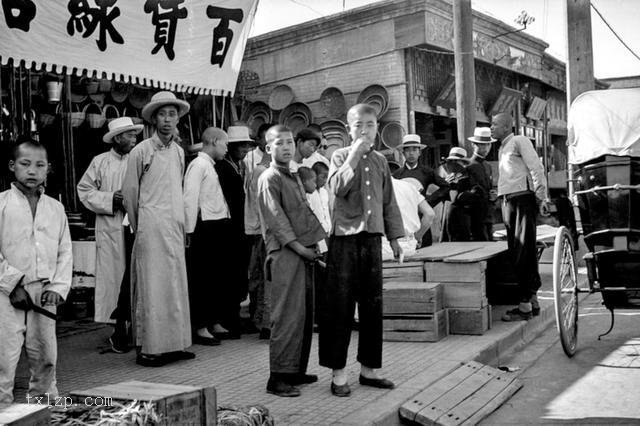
[(579, 49), (464, 71)]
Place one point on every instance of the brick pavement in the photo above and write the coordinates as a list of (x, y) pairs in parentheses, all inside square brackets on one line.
[(239, 370)]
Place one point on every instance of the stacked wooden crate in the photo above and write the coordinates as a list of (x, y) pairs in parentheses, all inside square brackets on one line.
[(393, 271), (413, 312)]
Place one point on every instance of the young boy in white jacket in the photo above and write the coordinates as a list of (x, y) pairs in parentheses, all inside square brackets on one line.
[(35, 269)]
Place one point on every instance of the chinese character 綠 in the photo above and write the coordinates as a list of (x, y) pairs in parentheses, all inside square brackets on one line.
[(19, 13), (87, 18), (222, 35), (165, 17)]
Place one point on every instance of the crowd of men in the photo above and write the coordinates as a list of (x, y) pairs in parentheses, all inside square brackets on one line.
[(180, 247)]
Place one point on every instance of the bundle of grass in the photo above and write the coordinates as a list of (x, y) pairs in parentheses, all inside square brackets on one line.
[(131, 413), (250, 415)]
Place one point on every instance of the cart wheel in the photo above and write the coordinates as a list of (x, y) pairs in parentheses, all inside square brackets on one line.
[(565, 291)]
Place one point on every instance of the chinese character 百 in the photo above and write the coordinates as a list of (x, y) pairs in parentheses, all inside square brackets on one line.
[(165, 17), (222, 35), (87, 18), (19, 13)]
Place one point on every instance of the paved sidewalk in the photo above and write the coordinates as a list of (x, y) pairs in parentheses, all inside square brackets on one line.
[(239, 369)]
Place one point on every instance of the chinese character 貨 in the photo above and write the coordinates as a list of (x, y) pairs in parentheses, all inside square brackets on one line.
[(222, 35), (19, 13), (87, 18), (165, 17)]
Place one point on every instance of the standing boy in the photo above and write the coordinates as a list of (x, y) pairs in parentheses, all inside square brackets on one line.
[(35, 268), (480, 179), (365, 208), (207, 222), (152, 192), (99, 190), (292, 232)]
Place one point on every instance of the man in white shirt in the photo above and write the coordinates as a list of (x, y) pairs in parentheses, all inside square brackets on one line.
[(207, 222), (99, 190)]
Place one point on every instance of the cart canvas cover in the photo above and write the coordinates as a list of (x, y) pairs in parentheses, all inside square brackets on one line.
[(604, 122)]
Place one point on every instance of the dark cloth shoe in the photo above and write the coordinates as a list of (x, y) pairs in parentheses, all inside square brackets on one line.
[(280, 388), (516, 315), (118, 346), (301, 379), (535, 306), (250, 328), (376, 383), (206, 341), (181, 355), (340, 390), (231, 335), (265, 334), (147, 360)]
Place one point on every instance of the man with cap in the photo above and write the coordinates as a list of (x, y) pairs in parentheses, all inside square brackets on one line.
[(99, 190), (411, 149), (481, 181), (522, 185), (458, 224), (232, 173), (152, 192)]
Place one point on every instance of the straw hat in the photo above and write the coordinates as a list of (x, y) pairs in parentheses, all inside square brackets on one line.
[(161, 99), (239, 134), (482, 135), (458, 153), (120, 125), (410, 141)]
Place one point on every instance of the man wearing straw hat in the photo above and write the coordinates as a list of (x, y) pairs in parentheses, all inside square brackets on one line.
[(480, 179), (99, 190), (152, 192), (458, 223)]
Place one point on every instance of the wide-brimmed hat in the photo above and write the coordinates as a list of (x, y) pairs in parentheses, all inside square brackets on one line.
[(482, 135), (239, 134), (120, 125), (161, 99), (410, 141), (458, 153)]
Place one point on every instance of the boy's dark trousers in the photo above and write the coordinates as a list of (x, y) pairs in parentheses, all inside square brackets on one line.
[(519, 215), (211, 292), (354, 275), (122, 312)]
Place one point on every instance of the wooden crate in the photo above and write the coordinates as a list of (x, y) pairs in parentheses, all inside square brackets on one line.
[(177, 404), (464, 295), (415, 328), (446, 272), (25, 415), (407, 271), (411, 298), (469, 320)]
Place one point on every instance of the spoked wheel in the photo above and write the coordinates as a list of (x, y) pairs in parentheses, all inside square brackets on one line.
[(565, 291)]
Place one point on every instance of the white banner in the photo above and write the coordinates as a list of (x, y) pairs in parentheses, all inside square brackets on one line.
[(183, 45)]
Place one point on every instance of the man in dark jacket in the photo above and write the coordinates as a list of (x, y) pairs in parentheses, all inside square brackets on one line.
[(481, 181)]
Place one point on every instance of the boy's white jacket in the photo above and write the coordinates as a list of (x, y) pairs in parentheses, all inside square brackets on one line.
[(34, 248)]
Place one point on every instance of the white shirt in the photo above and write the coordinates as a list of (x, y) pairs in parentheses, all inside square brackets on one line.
[(320, 208), (253, 158), (408, 199), (202, 192), (34, 247)]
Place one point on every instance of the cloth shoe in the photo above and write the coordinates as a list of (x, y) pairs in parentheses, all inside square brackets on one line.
[(301, 379), (118, 345), (516, 315), (206, 341), (340, 390), (280, 388), (147, 360), (535, 306), (376, 383)]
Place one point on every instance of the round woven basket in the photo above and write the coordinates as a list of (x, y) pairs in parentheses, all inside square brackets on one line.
[(280, 97), (76, 117), (332, 102), (392, 134)]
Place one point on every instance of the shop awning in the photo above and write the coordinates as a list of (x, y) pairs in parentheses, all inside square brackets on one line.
[(183, 45)]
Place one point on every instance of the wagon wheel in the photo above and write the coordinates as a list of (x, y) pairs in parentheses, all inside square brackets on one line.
[(565, 290)]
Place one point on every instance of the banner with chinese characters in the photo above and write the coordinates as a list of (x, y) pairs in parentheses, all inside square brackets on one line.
[(183, 45)]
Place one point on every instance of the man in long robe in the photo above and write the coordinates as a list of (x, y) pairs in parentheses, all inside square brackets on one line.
[(152, 192), (99, 190)]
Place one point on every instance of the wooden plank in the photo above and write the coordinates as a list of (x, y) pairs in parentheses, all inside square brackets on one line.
[(442, 272), (496, 402), (405, 272), (413, 406), (439, 328), (25, 414), (412, 297), (464, 295), (454, 396), (441, 251), (210, 406), (483, 253), (409, 323), (479, 404), (474, 321)]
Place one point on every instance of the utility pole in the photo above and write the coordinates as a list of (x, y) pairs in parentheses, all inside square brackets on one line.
[(579, 49), (464, 71)]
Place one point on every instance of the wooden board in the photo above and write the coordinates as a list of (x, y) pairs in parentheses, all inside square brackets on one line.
[(177, 404), (411, 298), (464, 295), (441, 251), (469, 320), (464, 396), (407, 272), (484, 253), (418, 328), (25, 414), (443, 272)]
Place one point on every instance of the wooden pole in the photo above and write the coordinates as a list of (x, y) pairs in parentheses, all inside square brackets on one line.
[(464, 71)]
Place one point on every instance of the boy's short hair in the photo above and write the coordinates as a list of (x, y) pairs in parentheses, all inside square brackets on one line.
[(28, 141), (305, 173), (307, 134), (361, 109), (274, 130), (320, 167)]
